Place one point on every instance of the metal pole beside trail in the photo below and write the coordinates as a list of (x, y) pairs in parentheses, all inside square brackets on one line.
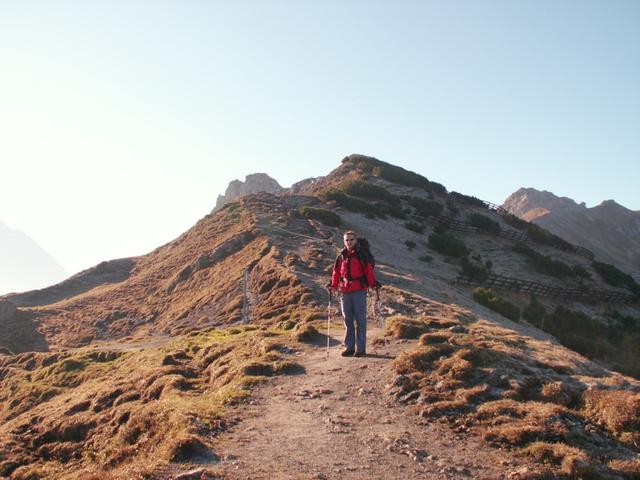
[(328, 324)]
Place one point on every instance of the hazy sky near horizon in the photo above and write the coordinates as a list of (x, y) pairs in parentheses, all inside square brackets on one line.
[(121, 121)]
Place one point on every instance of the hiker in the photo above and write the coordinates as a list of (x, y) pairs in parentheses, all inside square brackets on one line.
[(353, 275)]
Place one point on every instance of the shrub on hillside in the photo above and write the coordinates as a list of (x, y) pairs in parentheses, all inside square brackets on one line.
[(476, 270), (615, 277), (426, 208), (401, 176), (564, 320), (448, 244), (625, 322), (379, 202), (436, 187), (534, 311), (484, 223), (327, 217), (451, 205), (593, 338), (414, 227), (489, 298), (395, 210), (468, 200), (410, 244), (351, 203), (580, 271), (360, 188), (545, 237), (544, 263), (516, 222)]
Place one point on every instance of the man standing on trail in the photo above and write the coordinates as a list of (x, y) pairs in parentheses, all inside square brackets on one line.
[(353, 274)]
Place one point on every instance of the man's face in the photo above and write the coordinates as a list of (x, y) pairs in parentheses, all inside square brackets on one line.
[(349, 241)]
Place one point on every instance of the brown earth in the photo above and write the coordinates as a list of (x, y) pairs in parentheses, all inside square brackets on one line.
[(338, 421)]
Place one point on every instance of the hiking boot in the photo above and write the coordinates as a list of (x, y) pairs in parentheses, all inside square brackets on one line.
[(360, 354), (347, 353)]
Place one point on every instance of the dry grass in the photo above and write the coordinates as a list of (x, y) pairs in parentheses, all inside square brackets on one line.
[(420, 360), (402, 326), (116, 411), (571, 461), (491, 382), (435, 337), (618, 411), (629, 469), (305, 332)]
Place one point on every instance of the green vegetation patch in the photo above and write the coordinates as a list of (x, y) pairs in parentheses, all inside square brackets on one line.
[(448, 244), (325, 216), (393, 173), (379, 202), (534, 312), (614, 277), (233, 210), (516, 222), (414, 227), (475, 269), (484, 223), (489, 298), (544, 237), (544, 263), (401, 176), (352, 204), (468, 200), (426, 208), (360, 188)]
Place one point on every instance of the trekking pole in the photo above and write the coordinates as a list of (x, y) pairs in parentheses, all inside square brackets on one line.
[(378, 310), (328, 324)]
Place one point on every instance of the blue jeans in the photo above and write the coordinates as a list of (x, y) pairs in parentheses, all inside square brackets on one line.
[(354, 308)]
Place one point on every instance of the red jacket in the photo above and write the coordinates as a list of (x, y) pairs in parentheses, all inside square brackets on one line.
[(357, 269)]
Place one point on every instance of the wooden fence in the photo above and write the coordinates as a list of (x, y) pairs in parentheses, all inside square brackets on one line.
[(500, 282), (522, 236)]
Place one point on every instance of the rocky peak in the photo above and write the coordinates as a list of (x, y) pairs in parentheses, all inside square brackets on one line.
[(304, 187), (253, 183), (610, 230), (530, 203)]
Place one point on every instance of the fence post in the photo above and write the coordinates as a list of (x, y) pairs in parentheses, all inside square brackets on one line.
[(245, 296)]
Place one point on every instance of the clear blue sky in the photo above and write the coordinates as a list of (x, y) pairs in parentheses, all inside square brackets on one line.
[(121, 121)]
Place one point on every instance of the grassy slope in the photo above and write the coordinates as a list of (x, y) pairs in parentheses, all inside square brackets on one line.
[(90, 410)]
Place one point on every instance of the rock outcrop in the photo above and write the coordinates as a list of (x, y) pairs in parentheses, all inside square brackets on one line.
[(610, 230), (304, 187), (253, 183)]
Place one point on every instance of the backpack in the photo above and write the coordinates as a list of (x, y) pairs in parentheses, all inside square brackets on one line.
[(363, 252)]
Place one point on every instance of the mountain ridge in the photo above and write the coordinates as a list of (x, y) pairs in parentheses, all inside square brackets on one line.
[(609, 229), (22, 260), (186, 357)]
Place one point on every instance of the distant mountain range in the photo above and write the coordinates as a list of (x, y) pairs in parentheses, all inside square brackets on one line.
[(609, 230), (24, 265)]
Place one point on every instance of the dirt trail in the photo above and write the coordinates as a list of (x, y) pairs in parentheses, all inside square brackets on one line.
[(336, 421)]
